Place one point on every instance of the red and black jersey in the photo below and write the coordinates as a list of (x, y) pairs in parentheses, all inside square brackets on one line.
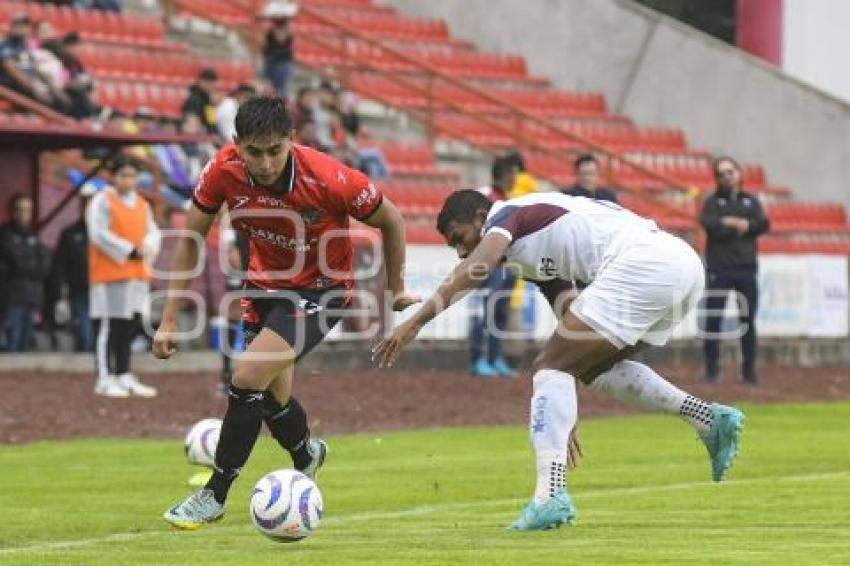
[(299, 236)]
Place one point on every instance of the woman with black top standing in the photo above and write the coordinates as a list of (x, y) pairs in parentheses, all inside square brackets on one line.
[(278, 57)]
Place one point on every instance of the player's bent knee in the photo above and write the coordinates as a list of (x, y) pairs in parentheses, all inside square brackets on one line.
[(582, 366), (253, 376)]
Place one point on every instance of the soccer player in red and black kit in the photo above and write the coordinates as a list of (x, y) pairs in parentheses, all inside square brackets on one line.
[(293, 204)]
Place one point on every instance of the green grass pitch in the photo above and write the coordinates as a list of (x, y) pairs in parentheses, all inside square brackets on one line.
[(443, 496)]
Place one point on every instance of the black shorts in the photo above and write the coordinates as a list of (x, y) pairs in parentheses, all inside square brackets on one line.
[(303, 318)]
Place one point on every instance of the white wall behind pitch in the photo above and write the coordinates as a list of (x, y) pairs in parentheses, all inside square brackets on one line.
[(816, 43)]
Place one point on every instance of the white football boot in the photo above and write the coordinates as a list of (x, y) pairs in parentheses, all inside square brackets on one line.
[(110, 387), (132, 384)]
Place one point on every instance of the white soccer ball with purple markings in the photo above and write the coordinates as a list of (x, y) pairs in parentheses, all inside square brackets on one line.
[(201, 442), (286, 505)]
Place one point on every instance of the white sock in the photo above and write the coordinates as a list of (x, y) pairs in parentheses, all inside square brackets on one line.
[(554, 410), (638, 384)]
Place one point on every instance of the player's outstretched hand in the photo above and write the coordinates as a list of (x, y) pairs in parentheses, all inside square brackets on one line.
[(164, 343), (387, 351), (404, 300), (574, 449)]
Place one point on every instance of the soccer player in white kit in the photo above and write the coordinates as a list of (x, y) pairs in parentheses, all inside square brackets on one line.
[(641, 284)]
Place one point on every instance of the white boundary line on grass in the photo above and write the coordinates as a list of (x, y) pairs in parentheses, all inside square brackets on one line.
[(416, 511)]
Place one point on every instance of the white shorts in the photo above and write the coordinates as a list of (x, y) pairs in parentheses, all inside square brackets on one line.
[(643, 292), (120, 299)]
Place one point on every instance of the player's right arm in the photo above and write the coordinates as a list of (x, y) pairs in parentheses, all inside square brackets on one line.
[(185, 259)]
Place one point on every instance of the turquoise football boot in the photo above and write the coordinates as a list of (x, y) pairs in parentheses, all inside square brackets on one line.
[(482, 368), (723, 438), (558, 510), (500, 365)]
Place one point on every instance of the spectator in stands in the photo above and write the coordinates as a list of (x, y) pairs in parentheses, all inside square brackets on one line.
[(70, 268), (346, 107), (325, 113), (124, 239), (200, 101), (303, 108), (732, 219), (225, 112), (197, 153), (24, 265), (372, 162), (17, 65), (588, 180), (306, 134), (44, 36), (43, 45), (491, 302), (105, 5), (180, 164), (79, 85), (172, 163), (278, 55), (367, 157)]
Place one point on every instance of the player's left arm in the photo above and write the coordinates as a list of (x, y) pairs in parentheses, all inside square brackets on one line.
[(469, 274), (390, 222)]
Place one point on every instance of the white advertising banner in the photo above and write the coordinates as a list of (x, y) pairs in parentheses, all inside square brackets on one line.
[(829, 307), (427, 266), (783, 295), (799, 295)]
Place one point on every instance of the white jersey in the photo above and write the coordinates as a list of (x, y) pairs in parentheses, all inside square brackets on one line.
[(555, 236)]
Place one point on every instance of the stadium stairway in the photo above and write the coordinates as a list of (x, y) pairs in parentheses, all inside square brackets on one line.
[(386, 60)]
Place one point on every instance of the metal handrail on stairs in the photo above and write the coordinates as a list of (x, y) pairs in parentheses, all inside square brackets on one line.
[(516, 124)]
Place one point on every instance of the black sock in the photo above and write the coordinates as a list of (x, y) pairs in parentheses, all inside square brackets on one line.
[(288, 425), (226, 360), (123, 338), (239, 432)]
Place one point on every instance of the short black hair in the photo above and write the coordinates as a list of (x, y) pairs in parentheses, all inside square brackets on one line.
[(502, 166), (263, 116), (461, 206), (208, 74), (585, 158), (121, 161), (71, 38), (515, 157)]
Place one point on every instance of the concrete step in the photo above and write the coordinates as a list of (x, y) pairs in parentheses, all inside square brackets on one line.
[(448, 355), (142, 7), (207, 39)]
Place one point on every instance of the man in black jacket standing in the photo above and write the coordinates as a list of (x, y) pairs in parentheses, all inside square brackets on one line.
[(732, 219), (24, 262), (71, 267)]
